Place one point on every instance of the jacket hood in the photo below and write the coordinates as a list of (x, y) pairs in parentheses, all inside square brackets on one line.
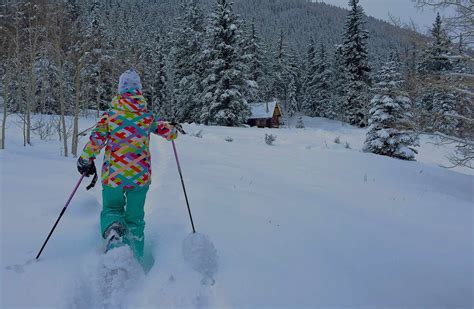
[(132, 101), (129, 80)]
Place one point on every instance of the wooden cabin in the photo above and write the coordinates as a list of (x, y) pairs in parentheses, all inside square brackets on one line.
[(265, 114)]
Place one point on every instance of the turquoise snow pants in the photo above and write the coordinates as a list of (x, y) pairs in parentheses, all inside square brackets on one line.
[(126, 207)]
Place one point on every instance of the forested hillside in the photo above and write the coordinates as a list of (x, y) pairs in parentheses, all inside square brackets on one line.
[(204, 61)]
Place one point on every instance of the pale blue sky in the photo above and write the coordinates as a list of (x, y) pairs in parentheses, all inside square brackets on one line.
[(403, 9)]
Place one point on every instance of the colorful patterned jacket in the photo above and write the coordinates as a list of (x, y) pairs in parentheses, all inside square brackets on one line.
[(125, 130)]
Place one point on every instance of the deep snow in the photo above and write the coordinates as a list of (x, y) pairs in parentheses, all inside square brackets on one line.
[(303, 223)]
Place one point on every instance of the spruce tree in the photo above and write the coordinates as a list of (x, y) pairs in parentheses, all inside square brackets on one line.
[(445, 117), (309, 69), (389, 130), (188, 61), (312, 106), (354, 51), (292, 77), (254, 59), (438, 100), (280, 69), (322, 86), (224, 86), (98, 81), (435, 57), (338, 81), (154, 75)]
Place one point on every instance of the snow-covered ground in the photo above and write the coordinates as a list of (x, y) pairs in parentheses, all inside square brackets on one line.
[(303, 223)]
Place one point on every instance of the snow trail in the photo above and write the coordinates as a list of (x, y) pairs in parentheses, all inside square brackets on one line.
[(108, 280), (171, 282)]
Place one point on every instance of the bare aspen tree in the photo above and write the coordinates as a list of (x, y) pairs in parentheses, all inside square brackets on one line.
[(6, 83), (56, 37), (77, 105), (10, 54), (33, 33), (461, 22), (4, 70)]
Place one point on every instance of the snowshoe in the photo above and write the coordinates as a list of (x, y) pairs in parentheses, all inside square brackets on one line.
[(114, 236)]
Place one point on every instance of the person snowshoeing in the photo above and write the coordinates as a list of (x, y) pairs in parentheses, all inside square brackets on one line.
[(124, 130)]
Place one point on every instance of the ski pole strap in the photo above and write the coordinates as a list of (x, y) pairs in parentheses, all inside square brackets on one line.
[(93, 182)]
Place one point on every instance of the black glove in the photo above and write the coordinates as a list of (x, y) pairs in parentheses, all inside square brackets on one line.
[(178, 127), (86, 167)]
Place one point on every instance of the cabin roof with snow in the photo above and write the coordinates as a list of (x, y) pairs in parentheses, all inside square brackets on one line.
[(262, 110)]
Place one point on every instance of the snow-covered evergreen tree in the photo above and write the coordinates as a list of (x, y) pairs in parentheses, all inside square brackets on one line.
[(188, 60), (389, 130), (322, 85), (254, 59), (312, 105), (224, 86), (96, 78), (338, 80), (355, 60), (154, 74), (279, 69), (309, 70), (299, 123), (438, 102), (444, 113), (435, 58), (291, 98)]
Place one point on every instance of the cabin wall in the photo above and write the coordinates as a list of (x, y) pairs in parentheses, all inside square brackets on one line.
[(273, 122)]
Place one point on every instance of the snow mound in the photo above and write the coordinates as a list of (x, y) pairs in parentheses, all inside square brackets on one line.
[(200, 253)]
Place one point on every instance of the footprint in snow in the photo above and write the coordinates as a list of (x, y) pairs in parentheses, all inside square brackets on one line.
[(200, 253)]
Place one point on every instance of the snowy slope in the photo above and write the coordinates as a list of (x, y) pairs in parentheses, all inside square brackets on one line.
[(303, 223)]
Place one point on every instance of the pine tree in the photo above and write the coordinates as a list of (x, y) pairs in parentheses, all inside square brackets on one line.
[(445, 117), (321, 91), (154, 74), (355, 60), (338, 81), (285, 79), (389, 131), (254, 59), (188, 62), (97, 80), (438, 100), (312, 106), (225, 84), (279, 70), (309, 69), (299, 123), (435, 58), (291, 99)]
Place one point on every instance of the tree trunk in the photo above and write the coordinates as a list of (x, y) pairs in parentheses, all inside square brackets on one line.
[(63, 112), (5, 109), (62, 103), (29, 106), (77, 101), (98, 93), (30, 102)]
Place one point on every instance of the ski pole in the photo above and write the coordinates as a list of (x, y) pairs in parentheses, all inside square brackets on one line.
[(182, 183), (60, 215)]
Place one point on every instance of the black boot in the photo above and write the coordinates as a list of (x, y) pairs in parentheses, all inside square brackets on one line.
[(114, 236)]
